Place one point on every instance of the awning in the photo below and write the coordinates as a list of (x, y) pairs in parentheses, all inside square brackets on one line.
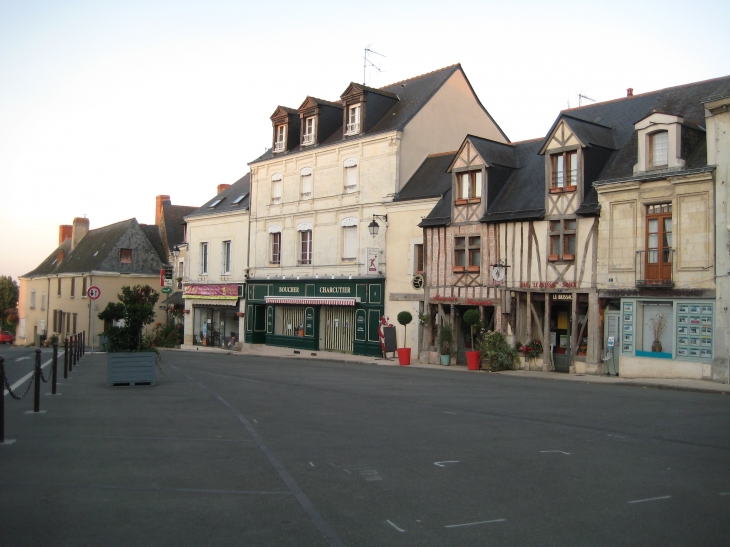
[(203, 303), (313, 301)]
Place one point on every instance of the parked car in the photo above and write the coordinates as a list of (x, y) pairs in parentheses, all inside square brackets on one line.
[(6, 337)]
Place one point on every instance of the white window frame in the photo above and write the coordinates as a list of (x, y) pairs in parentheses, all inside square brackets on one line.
[(280, 142), (226, 257), (310, 126), (353, 119), (203, 258)]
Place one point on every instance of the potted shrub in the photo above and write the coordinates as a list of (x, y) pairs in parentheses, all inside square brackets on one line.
[(532, 350), (472, 319), (131, 358), (445, 340), (495, 350), (404, 353)]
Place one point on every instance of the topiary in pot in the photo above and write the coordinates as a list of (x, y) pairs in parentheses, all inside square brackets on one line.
[(404, 318), (445, 340), (471, 318)]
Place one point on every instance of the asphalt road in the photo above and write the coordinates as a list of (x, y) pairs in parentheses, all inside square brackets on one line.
[(19, 361), (229, 450)]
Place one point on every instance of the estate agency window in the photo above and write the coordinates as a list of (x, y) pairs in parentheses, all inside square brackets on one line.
[(467, 253), (562, 239), (564, 170), (469, 187)]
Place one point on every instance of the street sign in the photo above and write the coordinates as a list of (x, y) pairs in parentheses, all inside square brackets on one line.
[(166, 277), (93, 292), (167, 290)]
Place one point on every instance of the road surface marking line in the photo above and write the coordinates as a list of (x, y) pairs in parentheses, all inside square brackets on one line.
[(441, 464), (310, 463), (558, 451), (650, 499), (474, 523), (394, 526), (24, 378), (445, 412), (725, 493), (21, 359), (617, 436)]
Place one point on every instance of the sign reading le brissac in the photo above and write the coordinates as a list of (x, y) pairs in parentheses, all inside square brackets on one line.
[(166, 277)]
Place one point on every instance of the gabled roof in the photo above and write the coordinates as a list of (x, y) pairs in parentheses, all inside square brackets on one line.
[(440, 215), (226, 199), (492, 152), (355, 88), (173, 218), (431, 179), (284, 111), (313, 101)]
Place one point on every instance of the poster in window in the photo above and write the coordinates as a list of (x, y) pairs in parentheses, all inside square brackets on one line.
[(707, 342), (682, 320), (682, 330), (694, 320), (695, 331), (628, 337), (707, 321), (627, 347), (707, 331), (694, 341), (682, 352), (694, 352), (628, 307), (627, 318), (706, 310), (707, 353), (683, 309), (628, 328), (682, 341), (694, 309)]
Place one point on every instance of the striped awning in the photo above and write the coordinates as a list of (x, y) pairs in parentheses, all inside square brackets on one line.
[(313, 301)]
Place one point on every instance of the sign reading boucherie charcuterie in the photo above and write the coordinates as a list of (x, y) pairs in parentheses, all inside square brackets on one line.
[(211, 292)]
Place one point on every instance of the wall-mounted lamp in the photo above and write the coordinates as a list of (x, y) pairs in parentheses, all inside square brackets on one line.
[(176, 251), (373, 227)]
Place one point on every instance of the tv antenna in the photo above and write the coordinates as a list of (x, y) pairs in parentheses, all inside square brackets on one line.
[(581, 97), (367, 62)]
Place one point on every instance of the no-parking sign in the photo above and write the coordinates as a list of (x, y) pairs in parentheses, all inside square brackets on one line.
[(94, 292)]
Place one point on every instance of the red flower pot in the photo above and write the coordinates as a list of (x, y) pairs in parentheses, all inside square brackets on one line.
[(472, 359), (404, 356)]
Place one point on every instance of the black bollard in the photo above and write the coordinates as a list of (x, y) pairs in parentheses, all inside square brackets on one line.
[(55, 367), (37, 380), (83, 346), (2, 401), (71, 353), (65, 358)]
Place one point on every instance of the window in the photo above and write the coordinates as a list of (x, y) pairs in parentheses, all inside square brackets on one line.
[(306, 183), (276, 188), (305, 246), (658, 149), (469, 187), (564, 171), (659, 243), (43, 301), (280, 142), (180, 271), (275, 248), (353, 120), (349, 243), (125, 256), (562, 239), (84, 283), (73, 287), (308, 133), (58, 290), (418, 252), (467, 253), (203, 266), (239, 199), (226, 258), (74, 324), (350, 175), (216, 202), (32, 299)]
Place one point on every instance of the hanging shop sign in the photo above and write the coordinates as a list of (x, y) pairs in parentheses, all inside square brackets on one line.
[(211, 292)]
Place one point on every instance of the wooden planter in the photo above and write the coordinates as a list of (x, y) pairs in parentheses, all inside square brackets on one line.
[(131, 369)]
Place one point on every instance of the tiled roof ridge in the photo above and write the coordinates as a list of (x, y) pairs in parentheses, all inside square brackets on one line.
[(470, 136), (383, 88), (598, 124), (442, 154), (646, 93)]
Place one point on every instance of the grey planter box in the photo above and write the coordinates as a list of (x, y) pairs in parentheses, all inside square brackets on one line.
[(130, 369)]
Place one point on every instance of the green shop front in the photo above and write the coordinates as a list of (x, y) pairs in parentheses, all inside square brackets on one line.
[(316, 314)]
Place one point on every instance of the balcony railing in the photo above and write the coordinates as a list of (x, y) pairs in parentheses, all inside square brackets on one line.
[(307, 139), (279, 146), (654, 269), (352, 128)]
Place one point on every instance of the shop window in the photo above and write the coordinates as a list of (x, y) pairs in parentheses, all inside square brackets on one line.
[(418, 256), (562, 240), (349, 243), (658, 149), (469, 187), (564, 167), (467, 253), (275, 239), (226, 256), (305, 247)]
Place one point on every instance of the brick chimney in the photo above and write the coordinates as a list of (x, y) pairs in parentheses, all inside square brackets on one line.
[(79, 230), (222, 187), (158, 208), (65, 231), (630, 92)]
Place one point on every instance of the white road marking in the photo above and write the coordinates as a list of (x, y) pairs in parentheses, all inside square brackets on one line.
[(445, 412), (21, 359), (255, 421), (617, 436), (725, 493), (310, 463), (474, 523), (558, 451), (394, 526), (651, 499), (24, 378), (442, 464)]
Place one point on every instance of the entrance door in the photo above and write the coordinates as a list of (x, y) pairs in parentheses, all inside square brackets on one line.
[(339, 328), (659, 244), (560, 331), (611, 329)]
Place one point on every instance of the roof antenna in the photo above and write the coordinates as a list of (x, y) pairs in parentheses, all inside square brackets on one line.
[(367, 62), (581, 96)]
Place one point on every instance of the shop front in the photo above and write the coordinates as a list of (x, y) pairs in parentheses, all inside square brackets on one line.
[(316, 314), (215, 311)]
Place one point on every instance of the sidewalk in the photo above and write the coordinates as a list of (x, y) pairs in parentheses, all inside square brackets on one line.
[(260, 350)]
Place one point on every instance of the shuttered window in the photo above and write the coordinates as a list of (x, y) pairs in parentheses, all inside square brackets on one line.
[(43, 301), (32, 299), (306, 184), (349, 243)]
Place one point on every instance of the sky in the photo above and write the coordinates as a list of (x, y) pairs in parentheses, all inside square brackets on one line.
[(105, 105)]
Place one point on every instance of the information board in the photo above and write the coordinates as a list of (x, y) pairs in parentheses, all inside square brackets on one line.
[(391, 344)]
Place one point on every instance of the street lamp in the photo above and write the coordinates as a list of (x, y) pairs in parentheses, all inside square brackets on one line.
[(176, 251), (373, 227)]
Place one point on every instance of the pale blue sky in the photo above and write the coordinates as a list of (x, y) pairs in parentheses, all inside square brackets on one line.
[(103, 106)]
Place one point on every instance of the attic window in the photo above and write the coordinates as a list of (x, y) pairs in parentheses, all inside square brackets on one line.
[(564, 168), (658, 149), (239, 199), (308, 134), (216, 202), (280, 139), (353, 120), (469, 187), (125, 256)]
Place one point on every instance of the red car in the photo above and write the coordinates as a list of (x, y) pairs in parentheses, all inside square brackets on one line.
[(6, 337)]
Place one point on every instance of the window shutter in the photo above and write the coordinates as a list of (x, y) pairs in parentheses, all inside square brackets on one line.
[(351, 179), (349, 248), (306, 184)]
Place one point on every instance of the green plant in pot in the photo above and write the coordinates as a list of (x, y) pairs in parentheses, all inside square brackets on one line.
[(497, 352), (404, 353), (446, 340), (472, 320)]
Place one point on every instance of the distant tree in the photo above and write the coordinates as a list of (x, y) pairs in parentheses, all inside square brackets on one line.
[(9, 292)]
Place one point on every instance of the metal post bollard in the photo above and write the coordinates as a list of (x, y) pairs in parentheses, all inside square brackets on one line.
[(2, 401), (37, 380), (55, 367), (70, 353), (83, 344), (65, 358)]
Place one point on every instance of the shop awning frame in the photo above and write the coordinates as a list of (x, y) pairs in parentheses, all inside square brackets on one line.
[(313, 301)]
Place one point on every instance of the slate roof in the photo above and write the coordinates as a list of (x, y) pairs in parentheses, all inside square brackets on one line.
[(228, 196), (173, 217), (431, 179), (413, 94)]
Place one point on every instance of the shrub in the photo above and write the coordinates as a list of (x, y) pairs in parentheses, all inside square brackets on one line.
[(532, 350), (137, 309), (446, 338), (497, 351), (404, 318)]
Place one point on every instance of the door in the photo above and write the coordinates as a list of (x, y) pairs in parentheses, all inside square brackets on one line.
[(560, 330), (611, 330), (659, 244), (339, 328)]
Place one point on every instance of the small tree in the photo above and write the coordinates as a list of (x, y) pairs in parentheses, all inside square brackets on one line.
[(446, 338), (471, 318), (404, 318), (9, 292), (137, 310)]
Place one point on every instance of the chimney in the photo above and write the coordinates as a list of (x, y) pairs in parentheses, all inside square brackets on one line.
[(158, 208), (630, 92), (65, 231), (80, 229), (222, 187)]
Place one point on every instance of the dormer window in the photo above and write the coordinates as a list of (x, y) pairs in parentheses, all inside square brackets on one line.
[(308, 134), (469, 187), (353, 120), (564, 171), (658, 149), (280, 143)]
